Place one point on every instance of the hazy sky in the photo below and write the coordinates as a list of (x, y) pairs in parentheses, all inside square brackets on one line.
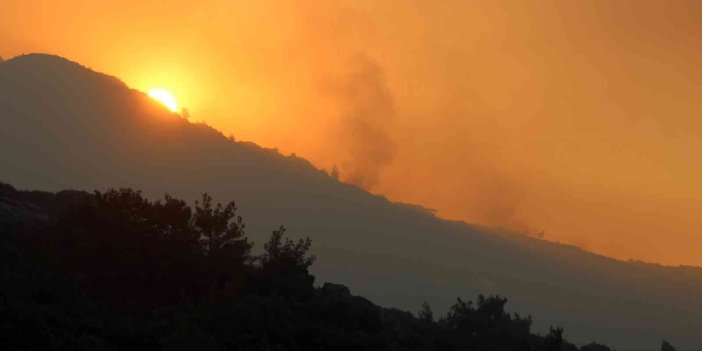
[(581, 119)]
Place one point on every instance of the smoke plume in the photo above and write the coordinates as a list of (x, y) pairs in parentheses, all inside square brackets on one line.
[(366, 117)]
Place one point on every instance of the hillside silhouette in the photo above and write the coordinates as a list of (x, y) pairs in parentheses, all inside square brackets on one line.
[(67, 127)]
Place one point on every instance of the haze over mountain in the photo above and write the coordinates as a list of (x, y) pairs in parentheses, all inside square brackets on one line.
[(526, 115), (65, 126)]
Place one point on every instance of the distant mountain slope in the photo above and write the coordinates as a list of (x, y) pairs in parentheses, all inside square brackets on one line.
[(64, 126)]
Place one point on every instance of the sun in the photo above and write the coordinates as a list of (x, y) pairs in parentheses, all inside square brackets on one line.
[(165, 97)]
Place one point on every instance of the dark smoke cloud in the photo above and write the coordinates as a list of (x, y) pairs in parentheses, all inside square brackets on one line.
[(367, 114)]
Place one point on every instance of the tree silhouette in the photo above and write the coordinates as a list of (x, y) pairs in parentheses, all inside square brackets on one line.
[(287, 252), (219, 227), (426, 313), (283, 266), (223, 242), (554, 339), (484, 325)]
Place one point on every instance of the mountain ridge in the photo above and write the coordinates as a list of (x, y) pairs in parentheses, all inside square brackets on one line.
[(92, 133)]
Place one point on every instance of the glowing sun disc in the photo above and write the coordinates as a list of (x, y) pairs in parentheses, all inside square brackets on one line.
[(165, 97)]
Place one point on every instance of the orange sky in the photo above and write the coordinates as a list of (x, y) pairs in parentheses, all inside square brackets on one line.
[(581, 119)]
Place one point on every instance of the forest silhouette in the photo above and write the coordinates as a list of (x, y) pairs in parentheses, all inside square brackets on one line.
[(67, 127), (112, 270)]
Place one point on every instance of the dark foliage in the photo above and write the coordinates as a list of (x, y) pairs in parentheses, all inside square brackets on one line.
[(113, 270)]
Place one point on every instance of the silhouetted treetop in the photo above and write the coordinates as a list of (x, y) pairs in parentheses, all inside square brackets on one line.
[(426, 313), (219, 227), (280, 250)]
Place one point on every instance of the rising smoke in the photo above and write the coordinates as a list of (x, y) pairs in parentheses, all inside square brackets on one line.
[(367, 114)]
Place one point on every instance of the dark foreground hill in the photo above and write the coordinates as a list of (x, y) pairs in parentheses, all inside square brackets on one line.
[(66, 127), (112, 271)]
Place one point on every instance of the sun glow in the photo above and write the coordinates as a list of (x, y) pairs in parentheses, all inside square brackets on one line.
[(165, 97)]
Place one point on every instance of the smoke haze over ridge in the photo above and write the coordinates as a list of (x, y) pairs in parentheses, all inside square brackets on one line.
[(578, 119)]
